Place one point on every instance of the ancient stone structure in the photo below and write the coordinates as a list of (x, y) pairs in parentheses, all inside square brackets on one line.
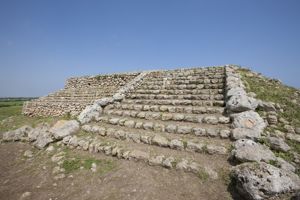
[(185, 119), (77, 94)]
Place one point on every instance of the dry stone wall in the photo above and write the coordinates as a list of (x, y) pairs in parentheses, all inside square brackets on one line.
[(78, 93)]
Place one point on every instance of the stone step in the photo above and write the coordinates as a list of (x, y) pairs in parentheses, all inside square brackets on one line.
[(187, 96), (170, 109), (79, 94), (214, 73), (152, 155), (183, 82), (179, 117), (201, 130), (178, 102), (63, 101), (210, 146), (204, 79), (181, 87), (176, 92)]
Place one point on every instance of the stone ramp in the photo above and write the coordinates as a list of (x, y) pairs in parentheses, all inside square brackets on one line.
[(173, 118)]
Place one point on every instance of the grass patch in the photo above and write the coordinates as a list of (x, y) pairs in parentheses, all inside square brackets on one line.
[(288, 156), (294, 145), (7, 109), (274, 163), (71, 165), (203, 175), (224, 174), (103, 166), (74, 162), (276, 92), (11, 116), (264, 141)]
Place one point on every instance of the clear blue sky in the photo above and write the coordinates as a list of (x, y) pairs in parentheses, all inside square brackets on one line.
[(43, 42)]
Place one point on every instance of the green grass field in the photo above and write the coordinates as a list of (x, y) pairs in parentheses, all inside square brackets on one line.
[(277, 93), (11, 116)]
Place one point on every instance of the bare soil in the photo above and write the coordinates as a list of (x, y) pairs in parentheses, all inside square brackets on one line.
[(128, 180)]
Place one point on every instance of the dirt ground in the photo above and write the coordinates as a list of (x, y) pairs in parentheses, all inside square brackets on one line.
[(128, 180)]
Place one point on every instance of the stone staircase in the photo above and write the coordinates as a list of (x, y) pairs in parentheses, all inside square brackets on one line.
[(174, 118), (77, 94)]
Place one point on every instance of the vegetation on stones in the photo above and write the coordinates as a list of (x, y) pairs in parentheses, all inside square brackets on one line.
[(288, 156), (274, 163), (274, 91), (264, 141)]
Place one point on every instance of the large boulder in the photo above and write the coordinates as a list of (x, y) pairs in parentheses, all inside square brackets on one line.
[(241, 103), (244, 133), (64, 128), (278, 144), (104, 101), (256, 181), (34, 133), (18, 134), (90, 113), (293, 137), (248, 151), (266, 106), (235, 92), (43, 139), (248, 120)]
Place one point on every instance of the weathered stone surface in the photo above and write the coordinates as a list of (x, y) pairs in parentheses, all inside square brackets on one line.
[(272, 119), (247, 151), (28, 154), (210, 120), (33, 134), (129, 123), (157, 160), (182, 165), (241, 103), (177, 144), (212, 149), (64, 128), (184, 129), (199, 131), (285, 165), (257, 181), (18, 134), (266, 106), (104, 101), (160, 141), (289, 128), (293, 137), (90, 113), (224, 120), (297, 130), (248, 120), (237, 91), (225, 134), (171, 128), (212, 132), (278, 144), (139, 155), (244, 133), (43, 139), (192, 146), (73, 141), (178, 117), (148, 125), (168, 162)]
